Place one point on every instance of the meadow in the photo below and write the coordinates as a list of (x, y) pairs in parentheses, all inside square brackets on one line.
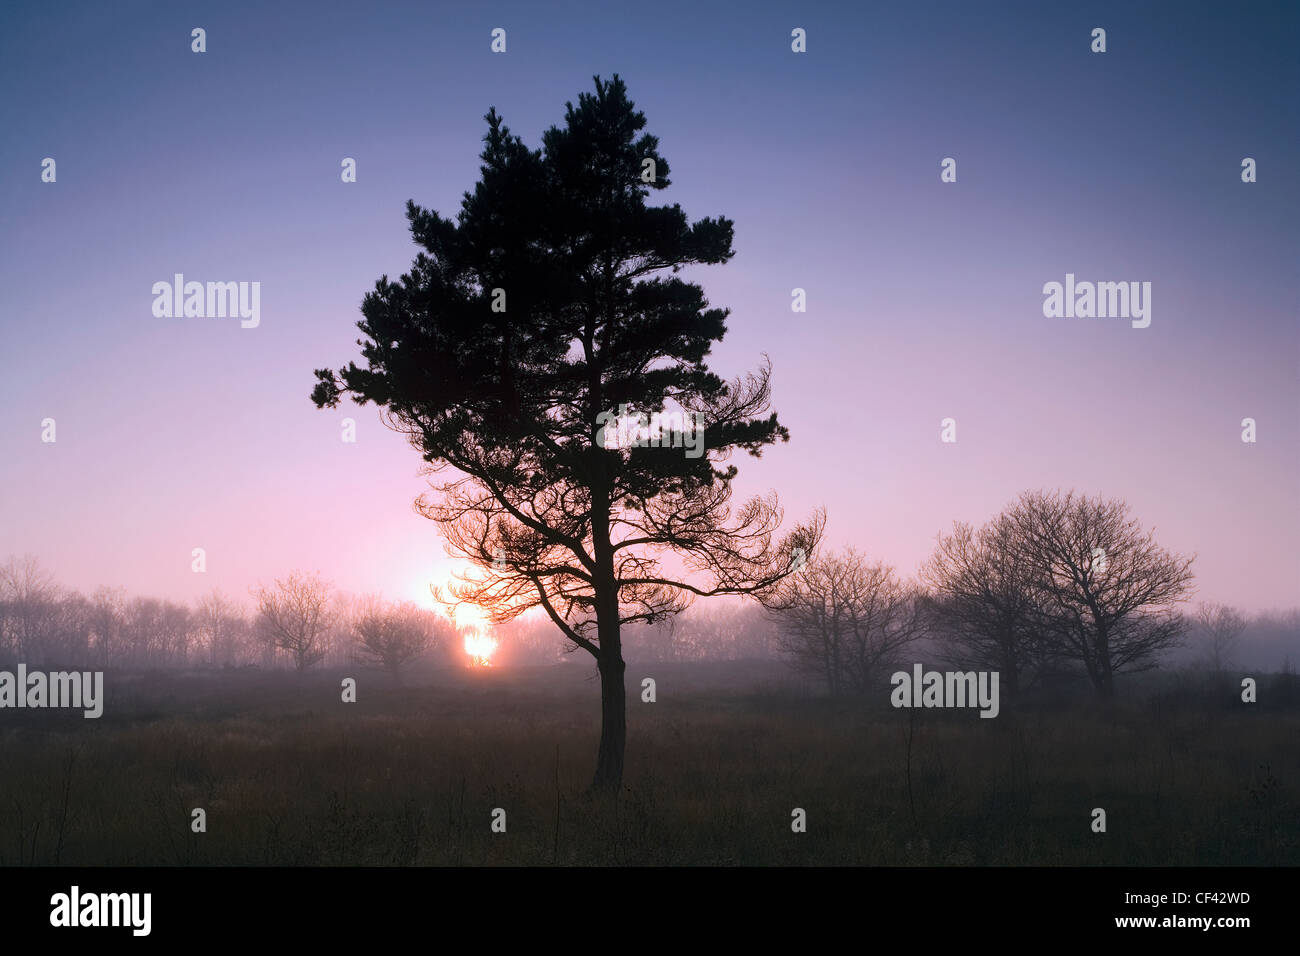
[(410, 773)]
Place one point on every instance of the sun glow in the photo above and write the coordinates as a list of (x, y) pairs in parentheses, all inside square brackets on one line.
[(480, 648), (471, 620)]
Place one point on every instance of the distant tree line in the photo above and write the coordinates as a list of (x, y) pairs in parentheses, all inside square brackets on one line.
[(1057, 583), (298, 621)]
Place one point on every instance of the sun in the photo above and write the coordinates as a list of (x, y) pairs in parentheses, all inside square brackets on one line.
[(480, 647), (470, 619)]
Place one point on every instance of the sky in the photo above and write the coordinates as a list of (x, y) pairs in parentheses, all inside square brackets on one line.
[(924, 298)]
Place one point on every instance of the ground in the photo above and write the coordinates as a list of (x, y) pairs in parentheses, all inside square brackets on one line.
[(288, 774)]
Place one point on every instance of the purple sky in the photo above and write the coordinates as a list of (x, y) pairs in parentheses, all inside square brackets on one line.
[(924, 298)]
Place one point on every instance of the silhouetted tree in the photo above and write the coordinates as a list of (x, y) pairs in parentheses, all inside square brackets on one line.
[(108, 625), (222, 628), (718, 632), (845, 620), (73, 630), (393, 635), (294, 616), (529, 639), (29, 609), (1221, 627), (142, 630), (1106, 593), (982, 600), (510, 352)]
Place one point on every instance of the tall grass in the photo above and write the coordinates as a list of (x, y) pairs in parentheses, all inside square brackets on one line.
[(409, 775)]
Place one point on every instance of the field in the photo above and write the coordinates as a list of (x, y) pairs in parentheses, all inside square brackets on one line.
[(410, 774)]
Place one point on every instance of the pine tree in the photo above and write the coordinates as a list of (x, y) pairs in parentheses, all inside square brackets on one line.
[(518, 353)]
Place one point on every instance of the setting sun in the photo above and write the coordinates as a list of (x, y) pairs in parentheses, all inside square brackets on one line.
[(435, 592), (480, 648), (469, 618)]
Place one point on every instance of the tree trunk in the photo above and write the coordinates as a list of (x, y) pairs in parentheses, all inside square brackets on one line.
[(613, 714), (609, 658), (1010, 678), (1105, 675)]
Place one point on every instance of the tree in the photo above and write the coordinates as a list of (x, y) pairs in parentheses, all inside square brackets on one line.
[(108, 625), (718, 632), (176, 632), (982, 600), (74, 630), (845, 620), (536, 348), (29, 609), (142, 630), (529, 639), (222, 627), (393, 635), (294, 616), (1221, 627), (1107, 594)]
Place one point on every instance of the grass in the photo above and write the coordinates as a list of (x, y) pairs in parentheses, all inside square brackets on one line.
[(410, 775)]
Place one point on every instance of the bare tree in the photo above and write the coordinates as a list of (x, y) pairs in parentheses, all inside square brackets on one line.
[(108, 625), (528, 639), (29, 611), (845, 620), (221, 627), (1107, 594), (176, 633), (338, 643), (143, 630), (75, 615), (294, 615), (1221, 627), (981, 605), (393, 635), (717, 632)]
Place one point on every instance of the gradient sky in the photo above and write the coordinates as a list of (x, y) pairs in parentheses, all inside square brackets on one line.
[(924, 299)]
